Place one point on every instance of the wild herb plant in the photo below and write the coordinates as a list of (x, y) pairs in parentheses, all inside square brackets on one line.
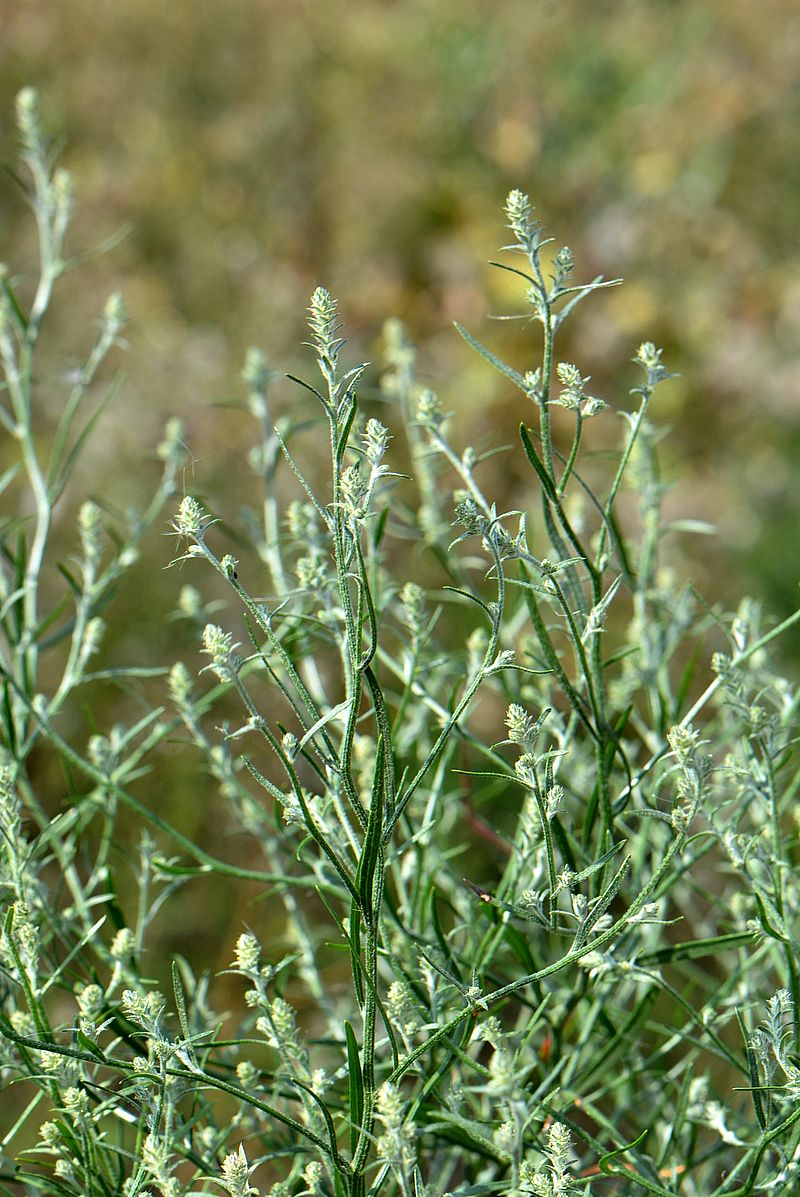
[(609, 1008)]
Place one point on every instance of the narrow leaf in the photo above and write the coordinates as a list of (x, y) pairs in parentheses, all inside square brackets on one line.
[(538, 464), (180, 1001), (696, 949), (370, 853), (355, 1086), (60, 471), (488, 356), (344, 435)]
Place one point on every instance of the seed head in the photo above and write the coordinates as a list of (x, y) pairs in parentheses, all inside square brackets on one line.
[(429, 410), (519, 213), (375, 440), (236, 1172), (29, 119), (91, 532), (220, 647), (323, 322), (649, 358), (248, 951), (192, 520), (172, 448)]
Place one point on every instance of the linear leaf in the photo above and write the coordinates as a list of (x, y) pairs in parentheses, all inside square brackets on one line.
[(696, 949), (538, 464), (355, 1086), (60, 472), (370, 853), (487, 355)]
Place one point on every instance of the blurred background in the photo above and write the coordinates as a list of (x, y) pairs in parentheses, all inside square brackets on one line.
[(256, 148)]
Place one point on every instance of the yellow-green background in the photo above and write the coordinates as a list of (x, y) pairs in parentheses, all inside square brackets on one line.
[(256, 148)]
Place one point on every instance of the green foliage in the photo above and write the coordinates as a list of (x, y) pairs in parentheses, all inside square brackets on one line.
[(529, 827)]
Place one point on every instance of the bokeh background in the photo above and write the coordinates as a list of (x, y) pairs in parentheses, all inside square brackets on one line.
[(255, 148), (258, 147)]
